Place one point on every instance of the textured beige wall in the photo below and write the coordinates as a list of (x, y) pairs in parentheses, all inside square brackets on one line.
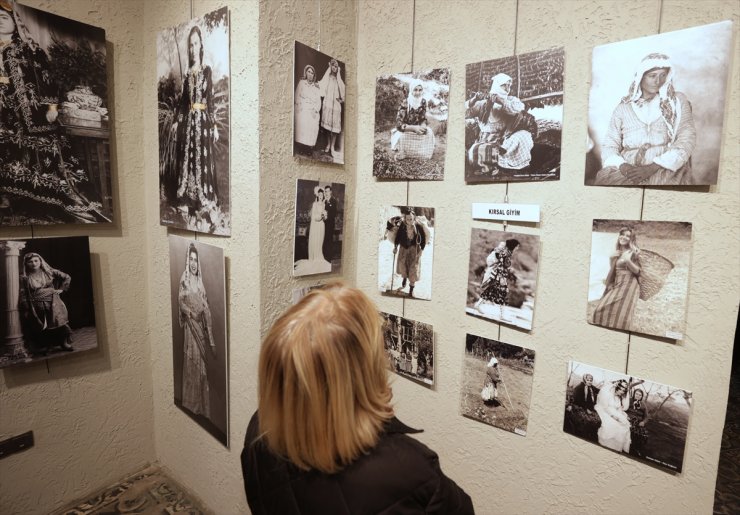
[(188, 452), (91, 413), (549, 471)]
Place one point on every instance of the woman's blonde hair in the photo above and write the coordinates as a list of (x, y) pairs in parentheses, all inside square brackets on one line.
[(323, 387)]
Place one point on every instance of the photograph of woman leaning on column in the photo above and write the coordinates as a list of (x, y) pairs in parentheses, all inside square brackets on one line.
[(639, 276), (199, 350), (193, 94), (656, 108)]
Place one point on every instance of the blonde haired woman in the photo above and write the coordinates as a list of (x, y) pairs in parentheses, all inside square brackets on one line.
[(325, 439)]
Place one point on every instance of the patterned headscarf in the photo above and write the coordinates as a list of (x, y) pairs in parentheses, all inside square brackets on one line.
[(44, 265), (197, 278), (670, 109), (413, 102)]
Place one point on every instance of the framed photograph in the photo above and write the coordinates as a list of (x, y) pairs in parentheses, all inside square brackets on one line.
[(502, 276), (199, 334), (406, 251), (633, 416), (47, 308), (409, 346), (411, 125), (639, 277), (497, 383), (193, 99), (514, 117), (54, 123), (319, 227), (656, 108), (318, 105), (299, 293)]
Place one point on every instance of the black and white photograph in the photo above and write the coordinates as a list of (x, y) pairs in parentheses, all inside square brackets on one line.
[(636, 417), (514, 117), (47, 309), (411, 112), (319, 227), (497, 383), (639, 278), (199, 334), (409, 346), (502, 276), (406, 251), (299, 293), (656, 108), (318, 105), (54, 122), (193, 78)]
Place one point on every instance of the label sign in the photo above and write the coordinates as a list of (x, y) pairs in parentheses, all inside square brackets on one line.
[(509, 212)]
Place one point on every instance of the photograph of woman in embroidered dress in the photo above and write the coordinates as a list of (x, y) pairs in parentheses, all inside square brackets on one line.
[(318, 105), (46, 308), (514, 117), (502, 276), (406, 251), (199, 347), (319, 227), (54, 127), (411, 125), (497, 383), (630, 415), (193, 101), (656, 108), (409, 346), (639, 276)]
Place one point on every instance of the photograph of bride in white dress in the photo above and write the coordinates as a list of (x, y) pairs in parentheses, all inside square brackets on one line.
[(199, 349), (319, 223), (632, 416)]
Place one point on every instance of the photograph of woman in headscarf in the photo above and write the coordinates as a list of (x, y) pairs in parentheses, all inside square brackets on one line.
[(411, 125), (319, 100), (656, 108), (198, 333), (45, 176), (513, 117)]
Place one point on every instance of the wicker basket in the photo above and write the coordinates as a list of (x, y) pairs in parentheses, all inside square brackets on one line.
[(654, 270)]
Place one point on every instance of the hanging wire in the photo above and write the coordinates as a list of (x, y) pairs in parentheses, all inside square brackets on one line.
[(191, 9), (408, 182), (319, 45)]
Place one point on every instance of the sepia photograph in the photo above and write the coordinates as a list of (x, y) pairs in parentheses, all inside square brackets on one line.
[(639, 418), (54, 123), (318, 105), (406, 251), (319, 227), (497, 383), (411, 112), (299, 293), (514, 117), (502, 276), (193, 114), (656, 108), (639, 276), (47, 309), (199, 334), (409, 346)]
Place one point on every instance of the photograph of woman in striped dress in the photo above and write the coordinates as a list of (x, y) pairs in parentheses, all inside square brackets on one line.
[(618, 303)]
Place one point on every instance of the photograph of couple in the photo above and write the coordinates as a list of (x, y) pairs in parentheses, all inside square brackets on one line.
[(319, 223)]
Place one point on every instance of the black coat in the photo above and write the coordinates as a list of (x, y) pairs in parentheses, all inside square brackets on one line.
[(398, 476)]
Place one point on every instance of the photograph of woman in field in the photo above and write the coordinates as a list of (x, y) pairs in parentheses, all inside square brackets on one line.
[(406, 251), (497, 384), (409, 346), (199, 334), (411, 125), (193, 93), (632, 416), (639, 276), (656, 108), (502, 276)]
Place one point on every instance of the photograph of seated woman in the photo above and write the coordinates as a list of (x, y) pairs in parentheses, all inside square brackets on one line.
[(611, 405), (325, 438), (412, 137), (651, 134), (617, 306)]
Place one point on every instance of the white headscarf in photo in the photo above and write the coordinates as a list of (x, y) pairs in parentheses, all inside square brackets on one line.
[(499, 80), (670, 108), (493, 361), (323, 84), (413, 102)]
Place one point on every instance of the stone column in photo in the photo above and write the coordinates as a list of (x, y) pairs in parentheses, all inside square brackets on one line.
[(11, 336)]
